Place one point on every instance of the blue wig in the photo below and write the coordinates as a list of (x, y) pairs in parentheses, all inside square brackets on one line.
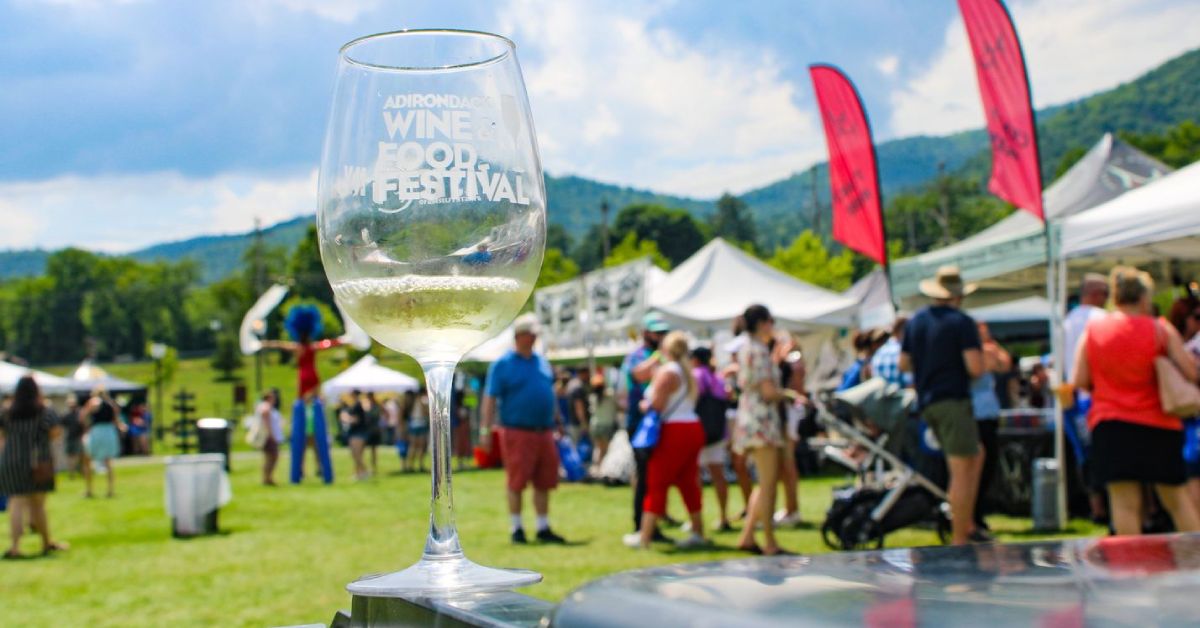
[(303, 322)]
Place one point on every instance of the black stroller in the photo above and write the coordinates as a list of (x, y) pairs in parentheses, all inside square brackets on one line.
[(889, 493)]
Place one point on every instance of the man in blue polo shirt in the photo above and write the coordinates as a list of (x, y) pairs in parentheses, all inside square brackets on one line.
[(521, 385)]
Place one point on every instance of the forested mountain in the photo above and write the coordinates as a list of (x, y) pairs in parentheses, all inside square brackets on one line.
[(1162, 98)]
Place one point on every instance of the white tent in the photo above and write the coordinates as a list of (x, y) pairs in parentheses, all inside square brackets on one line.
[(368, 375), (10, 374), (720, 281), (1156, 222), (1110, 169), (88, 377), (1026, 310), (874, 300)]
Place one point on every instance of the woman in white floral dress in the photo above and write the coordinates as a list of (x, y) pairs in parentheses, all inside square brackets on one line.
[(757, 433)]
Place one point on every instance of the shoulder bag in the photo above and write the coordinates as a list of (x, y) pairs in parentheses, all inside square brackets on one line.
[(1179, 396), (649, 430)]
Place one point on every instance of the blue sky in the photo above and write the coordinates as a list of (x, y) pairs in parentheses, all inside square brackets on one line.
[(129, 122)]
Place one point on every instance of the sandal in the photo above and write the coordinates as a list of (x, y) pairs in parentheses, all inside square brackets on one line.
[(57, 546), (13, 555), (753, 549)]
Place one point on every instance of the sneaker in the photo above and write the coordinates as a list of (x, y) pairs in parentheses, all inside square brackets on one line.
[(632, 540), (693, 541), (784, 519), (548, 536), (518, 537)]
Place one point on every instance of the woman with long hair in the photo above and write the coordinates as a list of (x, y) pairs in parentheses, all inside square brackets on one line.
[(757, 432), (272, 425), (1134, 441), (309, 429), (103, 439), (26, 467), (675, 460)]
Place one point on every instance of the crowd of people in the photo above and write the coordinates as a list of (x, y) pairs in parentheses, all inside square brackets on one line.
[(739, 413)]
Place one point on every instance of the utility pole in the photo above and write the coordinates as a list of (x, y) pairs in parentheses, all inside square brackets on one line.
[(259, 278), (816, 203), (604, 228), (943, 203)]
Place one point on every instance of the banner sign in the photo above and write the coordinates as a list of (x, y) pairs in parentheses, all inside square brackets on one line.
[(1004, 88), (853, 176)]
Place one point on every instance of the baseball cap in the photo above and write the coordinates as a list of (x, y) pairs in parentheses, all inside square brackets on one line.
[(526, 324), (653, 321)]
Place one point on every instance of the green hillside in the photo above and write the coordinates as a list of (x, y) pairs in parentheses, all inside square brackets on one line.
[(1162, 98)]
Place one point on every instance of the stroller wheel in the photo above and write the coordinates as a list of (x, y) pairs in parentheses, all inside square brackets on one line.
[(830, 536)]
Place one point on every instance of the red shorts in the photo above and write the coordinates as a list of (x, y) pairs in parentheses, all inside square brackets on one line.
[(529, 457)]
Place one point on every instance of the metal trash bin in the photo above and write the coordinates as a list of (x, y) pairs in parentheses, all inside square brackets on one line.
[(214, 436), (196, 487), (1044, 499)]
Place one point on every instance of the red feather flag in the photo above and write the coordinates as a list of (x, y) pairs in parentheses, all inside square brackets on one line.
[(1004, 88), (853, 175)]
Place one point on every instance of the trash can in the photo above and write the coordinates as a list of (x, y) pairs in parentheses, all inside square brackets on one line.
[(214, 437), (196, 488), (1045, 494)]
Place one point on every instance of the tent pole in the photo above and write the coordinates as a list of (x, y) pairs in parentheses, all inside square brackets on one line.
[(1055, 288)]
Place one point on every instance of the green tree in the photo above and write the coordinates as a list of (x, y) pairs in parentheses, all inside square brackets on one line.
[(734, 222), (228, 358), (307, 271), (807, 259), (557, 237), (677, 234), (556, 268), (630, 248)]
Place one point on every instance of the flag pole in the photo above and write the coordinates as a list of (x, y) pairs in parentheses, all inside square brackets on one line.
[(1053, 295)]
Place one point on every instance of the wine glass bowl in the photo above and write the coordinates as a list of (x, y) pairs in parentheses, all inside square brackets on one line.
[(432, 224)]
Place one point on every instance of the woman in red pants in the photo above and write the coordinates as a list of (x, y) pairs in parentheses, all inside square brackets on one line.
[(676, 458)]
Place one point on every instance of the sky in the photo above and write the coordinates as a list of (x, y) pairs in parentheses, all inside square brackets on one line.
[(133, 122)]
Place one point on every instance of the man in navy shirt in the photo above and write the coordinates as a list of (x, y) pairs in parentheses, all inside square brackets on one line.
[(521, 385), (941, 348)]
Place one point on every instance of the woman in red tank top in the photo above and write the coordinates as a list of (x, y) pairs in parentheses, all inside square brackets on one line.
[(1134, 442)]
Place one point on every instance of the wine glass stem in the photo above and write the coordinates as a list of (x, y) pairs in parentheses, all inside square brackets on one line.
[(443, 536)]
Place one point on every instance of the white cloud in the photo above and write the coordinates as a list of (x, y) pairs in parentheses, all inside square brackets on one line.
[(618, 100), (1073, 48), (20, 226), (341, 11), (120, 213), (888, 65)]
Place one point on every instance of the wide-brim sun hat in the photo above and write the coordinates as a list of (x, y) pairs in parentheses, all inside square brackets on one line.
[(947, 284)]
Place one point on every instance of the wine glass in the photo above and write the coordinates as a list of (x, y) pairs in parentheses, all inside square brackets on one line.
[(432, 220)]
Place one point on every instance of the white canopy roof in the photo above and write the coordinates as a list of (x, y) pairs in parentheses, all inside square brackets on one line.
[(11, 373), (88, 377), (720, 281), (1107, 171), (1158, 221), (1029, 309), (368, 375)]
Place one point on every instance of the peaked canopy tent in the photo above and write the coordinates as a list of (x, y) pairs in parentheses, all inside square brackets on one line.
[(49, 384), (1157, 222), (89, 377), (368, 375), (995, 255), (717, 283), (875, 308)]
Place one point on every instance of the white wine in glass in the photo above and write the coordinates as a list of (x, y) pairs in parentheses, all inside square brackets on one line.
[(432, 222)]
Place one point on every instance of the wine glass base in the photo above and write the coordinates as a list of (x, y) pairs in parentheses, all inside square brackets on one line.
[(442, 577)]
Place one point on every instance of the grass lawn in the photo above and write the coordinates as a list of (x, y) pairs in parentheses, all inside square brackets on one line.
[(287, 553)]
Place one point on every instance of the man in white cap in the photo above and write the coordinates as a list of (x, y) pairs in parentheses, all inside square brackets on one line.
[(521, 385), (941, 348)]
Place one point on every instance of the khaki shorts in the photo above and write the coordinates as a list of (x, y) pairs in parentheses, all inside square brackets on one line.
[(953, 423)]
